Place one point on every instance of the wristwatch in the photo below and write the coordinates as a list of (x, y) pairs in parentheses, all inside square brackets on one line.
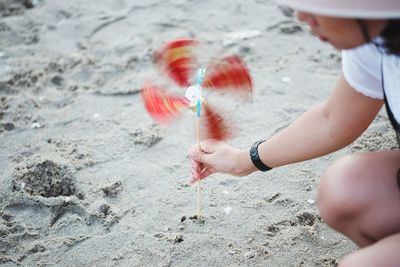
[(255, 158)]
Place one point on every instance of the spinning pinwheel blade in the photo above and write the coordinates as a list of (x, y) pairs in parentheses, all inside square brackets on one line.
[(177, 60)]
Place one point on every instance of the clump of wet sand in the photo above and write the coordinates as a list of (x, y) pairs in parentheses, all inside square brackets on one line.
[(46, 179)]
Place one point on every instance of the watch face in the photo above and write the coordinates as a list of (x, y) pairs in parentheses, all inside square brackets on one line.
[(254, 149), (254, 155), (253, 152)]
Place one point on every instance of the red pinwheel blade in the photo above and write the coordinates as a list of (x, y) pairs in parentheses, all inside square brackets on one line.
[(228, 73), (161, 106), (176, 59), (215, 126)]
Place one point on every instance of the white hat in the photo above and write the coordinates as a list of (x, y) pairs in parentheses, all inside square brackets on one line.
[(367, 9)]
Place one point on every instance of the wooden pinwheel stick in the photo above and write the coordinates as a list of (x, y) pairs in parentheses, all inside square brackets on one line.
[(198, 182), (200, 76)]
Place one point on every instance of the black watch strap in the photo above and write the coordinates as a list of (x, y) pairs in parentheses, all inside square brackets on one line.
[(255, 158)]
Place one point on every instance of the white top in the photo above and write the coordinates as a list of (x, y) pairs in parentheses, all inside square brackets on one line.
[(363, 69)]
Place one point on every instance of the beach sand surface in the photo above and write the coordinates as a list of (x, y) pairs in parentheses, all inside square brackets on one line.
[(88, 179)]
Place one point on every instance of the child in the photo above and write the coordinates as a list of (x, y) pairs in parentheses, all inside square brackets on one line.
[(359, 195)]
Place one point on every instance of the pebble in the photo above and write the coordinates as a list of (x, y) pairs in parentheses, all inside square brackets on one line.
[(36, 125), (8, 126), (194, 217), (227, 210), (30, 3), (178, 238), (310, 201), (57, 80), (250, 254)]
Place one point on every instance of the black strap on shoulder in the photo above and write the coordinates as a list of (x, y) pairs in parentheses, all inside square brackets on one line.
[(393, 121)]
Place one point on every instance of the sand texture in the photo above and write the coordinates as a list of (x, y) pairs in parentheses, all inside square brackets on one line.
[(87, 178)]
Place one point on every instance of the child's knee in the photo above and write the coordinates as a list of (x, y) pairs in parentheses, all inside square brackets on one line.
[(337, 198)]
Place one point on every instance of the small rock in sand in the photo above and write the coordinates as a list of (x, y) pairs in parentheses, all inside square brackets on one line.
[(310, 201), (250, 254), (36, 125), (112, 190), (227, 210), (7, 126), (178, 238), (286, 79)]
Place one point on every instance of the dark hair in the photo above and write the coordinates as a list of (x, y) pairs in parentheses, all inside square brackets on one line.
[(391, 36)]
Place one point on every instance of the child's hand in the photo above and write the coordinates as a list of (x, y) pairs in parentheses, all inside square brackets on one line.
[(211, 156)]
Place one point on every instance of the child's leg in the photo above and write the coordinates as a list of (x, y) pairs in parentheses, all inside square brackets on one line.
[(359, 196), (383, 253)]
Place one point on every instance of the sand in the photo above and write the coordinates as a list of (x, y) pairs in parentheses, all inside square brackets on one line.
[(87, 178)]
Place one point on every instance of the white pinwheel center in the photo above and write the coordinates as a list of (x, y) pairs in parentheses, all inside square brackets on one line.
[(193, 93)]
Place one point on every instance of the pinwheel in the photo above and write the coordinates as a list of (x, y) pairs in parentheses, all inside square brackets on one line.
[(177, 60)]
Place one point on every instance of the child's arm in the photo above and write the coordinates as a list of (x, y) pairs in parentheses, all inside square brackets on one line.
[(323, 129)]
